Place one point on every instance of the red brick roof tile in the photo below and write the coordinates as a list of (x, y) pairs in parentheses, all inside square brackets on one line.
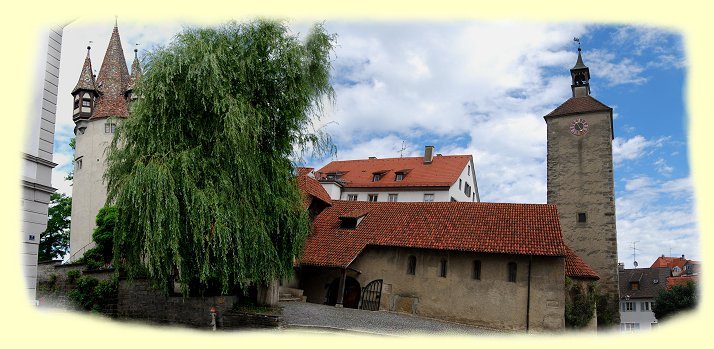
[(526, 229), (576, 267), (443, 171), (112, 81), (681, 280), (86, 79), (669, 262), (311, 188), (576, 105)]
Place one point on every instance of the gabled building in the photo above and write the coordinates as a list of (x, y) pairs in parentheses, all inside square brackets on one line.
[(638, 290), (433, 177), (100, 103)]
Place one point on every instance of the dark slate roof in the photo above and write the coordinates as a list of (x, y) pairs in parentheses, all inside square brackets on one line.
[(576, 105), (579, 64), (112, 81), (86, 77), (576, 267), (646, 278), (523, 229)]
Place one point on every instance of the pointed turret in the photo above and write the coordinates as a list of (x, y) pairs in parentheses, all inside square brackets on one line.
[(134, 77), (112, 81), (580, 75), (85, 92)]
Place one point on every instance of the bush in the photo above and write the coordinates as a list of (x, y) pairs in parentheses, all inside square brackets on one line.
[(581, 307), (92, 294), (675, 299), (73, 275)]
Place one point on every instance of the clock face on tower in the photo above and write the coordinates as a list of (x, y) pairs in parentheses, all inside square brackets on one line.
[(579, 127)]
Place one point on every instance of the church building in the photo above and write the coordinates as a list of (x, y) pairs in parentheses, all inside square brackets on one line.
[(100, 102)]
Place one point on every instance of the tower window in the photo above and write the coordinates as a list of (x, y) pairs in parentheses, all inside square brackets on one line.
[(512, 267), (582, 217), (442, 268), (86, 103), (110, 127), (78, 164), (411, 266)]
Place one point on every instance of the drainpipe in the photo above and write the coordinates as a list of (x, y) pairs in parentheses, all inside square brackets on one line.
[(528, 303)]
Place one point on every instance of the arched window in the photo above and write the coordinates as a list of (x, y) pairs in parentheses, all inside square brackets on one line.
[(411, 267), (512, 272), (477, 270)]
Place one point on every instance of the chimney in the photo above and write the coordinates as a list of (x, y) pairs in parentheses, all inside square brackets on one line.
[(620, 266), (428, 154), (372, 157), (682, 256)]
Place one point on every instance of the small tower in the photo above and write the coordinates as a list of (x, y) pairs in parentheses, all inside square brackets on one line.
[(580, 179), (100, 104), (133, 78)]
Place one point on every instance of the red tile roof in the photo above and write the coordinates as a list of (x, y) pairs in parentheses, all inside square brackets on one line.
[(112, 81), (576, 105), (460, 226), (86, 79), (443, 171), (576, 267), (311, 188), (669, 262), (681, 280)]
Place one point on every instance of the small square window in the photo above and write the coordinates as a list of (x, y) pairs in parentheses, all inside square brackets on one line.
[(376, 177), (582, 217), (392, 197), (634, 286), (428, 197), (109, 127), (399, 176), (86, 103), (351, 197), (372, 197)]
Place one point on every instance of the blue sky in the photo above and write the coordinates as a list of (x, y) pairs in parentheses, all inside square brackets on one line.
[(482, 88)]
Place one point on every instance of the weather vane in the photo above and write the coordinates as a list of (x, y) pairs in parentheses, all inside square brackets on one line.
[(578, 41)]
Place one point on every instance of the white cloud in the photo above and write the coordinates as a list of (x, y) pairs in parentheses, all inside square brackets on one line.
[(633, 148)]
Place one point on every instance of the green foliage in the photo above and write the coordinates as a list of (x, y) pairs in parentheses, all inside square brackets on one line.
[(200, 174), (580, 308), (72, 144), (674, 300), (73, 275), (605, 310), (92, 294), (54, 241), (103, 234)]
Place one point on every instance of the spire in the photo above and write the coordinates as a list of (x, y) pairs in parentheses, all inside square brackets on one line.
[(112, 80), (86, 78), (580, 75), (135, 72)]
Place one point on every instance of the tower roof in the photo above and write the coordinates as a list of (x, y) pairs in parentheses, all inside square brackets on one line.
[(135, 71), (112, 81), (579, 64), (86, 78), (577, 105)]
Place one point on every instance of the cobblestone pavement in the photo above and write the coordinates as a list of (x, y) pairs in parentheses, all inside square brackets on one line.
[(309, 316)]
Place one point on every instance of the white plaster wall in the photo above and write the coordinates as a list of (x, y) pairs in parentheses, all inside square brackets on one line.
[(405, 195), (644, 318), (89, 193), (467, 175)]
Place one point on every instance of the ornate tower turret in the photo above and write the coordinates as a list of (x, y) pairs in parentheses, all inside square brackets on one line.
[(580, 75), (133, 78), (85, 94)]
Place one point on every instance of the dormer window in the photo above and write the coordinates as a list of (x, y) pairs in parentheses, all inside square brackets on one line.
[(376, 177), (399, 176), (634, 285), (86, 103), (352, 219)]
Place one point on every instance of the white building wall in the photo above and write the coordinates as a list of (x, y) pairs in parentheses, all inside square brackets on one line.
[(468, 175), (89, 194), (645, 318), (404, 194), (37, 153)]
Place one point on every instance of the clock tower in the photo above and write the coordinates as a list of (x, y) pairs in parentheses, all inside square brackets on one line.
[(580, 180)]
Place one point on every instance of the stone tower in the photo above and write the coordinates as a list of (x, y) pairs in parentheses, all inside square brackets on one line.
[(99, 104), (580, 179)]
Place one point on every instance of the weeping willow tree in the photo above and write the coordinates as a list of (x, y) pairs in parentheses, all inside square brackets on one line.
[(200, 173)]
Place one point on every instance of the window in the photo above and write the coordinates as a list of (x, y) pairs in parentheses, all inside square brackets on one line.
[(629, 326), (582, 217), (399, 176), (645, 306), (372, 197), (78, 164), (411, 266), (352, 197), (512, 271), (628, 306), (467, 189), (468, 173), (459, 183), (86, 103), (634, 285), (477, 270), (428, 197), (392, 197), (110, 127), (376, 177), (652, 306), (76, 103), (442, 268)]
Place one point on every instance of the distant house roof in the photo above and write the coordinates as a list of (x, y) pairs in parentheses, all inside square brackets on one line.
[(310, 188), (443, 171), (524, 229), (669, 262), (649, 282), (576, 105), (576, 267), (681, 280)]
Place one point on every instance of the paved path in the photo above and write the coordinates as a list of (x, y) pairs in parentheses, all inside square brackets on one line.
[(299, 315)]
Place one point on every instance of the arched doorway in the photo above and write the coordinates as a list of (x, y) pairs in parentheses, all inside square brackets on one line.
[(352, 293)]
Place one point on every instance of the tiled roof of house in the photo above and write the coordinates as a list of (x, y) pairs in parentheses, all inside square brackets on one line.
[(135, 72), (443, 171), (650, 282), (112, 81), (576, 105), (86, 77), (525, 229), (576, 267), (681, 280), (669, 262), (310, 188)]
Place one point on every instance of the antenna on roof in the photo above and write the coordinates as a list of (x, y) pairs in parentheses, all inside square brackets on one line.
[(634, 253), (401, 151)]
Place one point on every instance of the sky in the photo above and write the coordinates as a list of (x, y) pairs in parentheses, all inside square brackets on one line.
[(482, 88)]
